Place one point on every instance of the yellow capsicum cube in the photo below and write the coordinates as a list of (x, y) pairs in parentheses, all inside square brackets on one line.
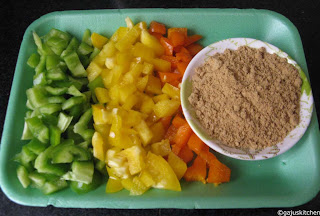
[(135, 156), (158, 132), (99, 147), (98, 40), (177, 164), (93, 70), (172, 91), (102, 95), (153, 85), (101, 115), (161, 148), (161, 65), (147, 104), (151, 42), (144, 132), (141, 50), (166, 108)]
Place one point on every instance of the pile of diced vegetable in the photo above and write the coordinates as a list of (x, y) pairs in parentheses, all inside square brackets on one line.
[(138, 137)]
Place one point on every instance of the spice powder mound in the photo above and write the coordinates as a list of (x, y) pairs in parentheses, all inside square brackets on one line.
[(247, 98)]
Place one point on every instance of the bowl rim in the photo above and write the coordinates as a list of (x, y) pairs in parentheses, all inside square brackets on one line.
[(198, 128)]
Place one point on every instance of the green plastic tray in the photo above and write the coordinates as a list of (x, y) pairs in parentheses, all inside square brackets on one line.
[(290, 179)]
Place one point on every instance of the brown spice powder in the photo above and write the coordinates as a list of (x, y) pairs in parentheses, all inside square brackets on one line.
[(247, 98)]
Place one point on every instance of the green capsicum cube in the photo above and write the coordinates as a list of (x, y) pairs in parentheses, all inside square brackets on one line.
[(74, 64), (36, 146), (38, 129), (56, 74), (22, 174), (37, 96), (54, 186), (81, 188), (33, 60), (50, 108), (43, 163), (64, 121), (82, 171)]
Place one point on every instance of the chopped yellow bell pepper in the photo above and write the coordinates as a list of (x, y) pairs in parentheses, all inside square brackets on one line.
[(146, 178), (144, 132), (177, 164), (171, 91), (98, 40), (161, 65), (161, 148), (166, 108), (101, 115), (147, 104), (158, 132), (142, 83), (153, 85), (102, 95), (151, 42), (161, 97), (135, 156), (119, 34), (99, 147), (93, 70), (113, 185), (128, 39), (162, 173)]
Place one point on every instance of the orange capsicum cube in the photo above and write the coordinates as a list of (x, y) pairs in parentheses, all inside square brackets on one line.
[(157, 27), (194, 49), (172, 59), (191, 39), (169, 77), (168, 46), (178, 121), (218, 172), (182, 136), (166, 121), (186, 154), (196, 144), (170, 134), (182, 66), (197, 172)]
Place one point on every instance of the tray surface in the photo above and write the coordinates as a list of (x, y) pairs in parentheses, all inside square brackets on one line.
[(290, 179)]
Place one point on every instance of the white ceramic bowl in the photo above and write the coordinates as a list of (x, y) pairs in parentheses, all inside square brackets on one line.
[(306, 102)]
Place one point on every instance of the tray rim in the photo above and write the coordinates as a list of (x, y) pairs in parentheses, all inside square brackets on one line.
[(142, 203)]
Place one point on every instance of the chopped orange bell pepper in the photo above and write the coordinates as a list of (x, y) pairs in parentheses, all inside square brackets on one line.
[(168, 46), (191, 39), (168, 77), (182, 66), (171, 132), (176, 149), (171, 59), (182, 136), (177, 38), (178, 121), (194, 49), (218, 172), (184, 32), (186, 154), (197, 172), (156, 35), (166, 121), (157, 28), (179, 49), (196, 144), (208, 157), (184, 57)]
